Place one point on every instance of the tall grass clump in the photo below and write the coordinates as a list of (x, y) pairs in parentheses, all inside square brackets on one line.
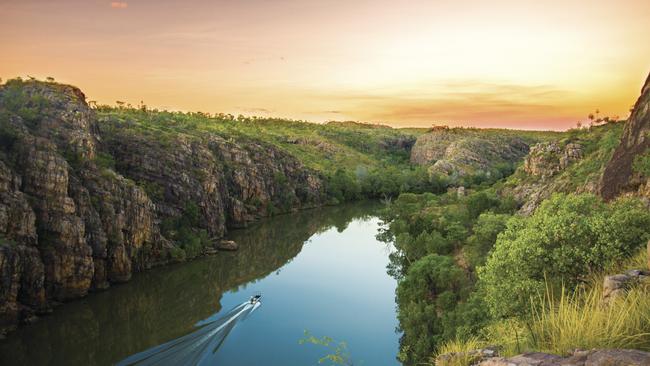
[(581, 320), (459, 352)]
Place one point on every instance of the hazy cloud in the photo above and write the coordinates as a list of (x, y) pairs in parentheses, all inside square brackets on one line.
[(119, 4), (254, 110)]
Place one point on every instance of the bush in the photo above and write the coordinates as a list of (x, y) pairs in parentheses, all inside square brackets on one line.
[(459, 352), (642, 164), (566, 239), (105, 160), (485, 232), (177, 254)]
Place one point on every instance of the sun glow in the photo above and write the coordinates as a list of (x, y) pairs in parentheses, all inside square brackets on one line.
[(509, 63)]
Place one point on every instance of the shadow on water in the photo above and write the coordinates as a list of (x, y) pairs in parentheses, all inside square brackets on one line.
[(166, 303)]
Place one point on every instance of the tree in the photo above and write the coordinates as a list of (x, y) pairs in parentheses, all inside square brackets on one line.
[(432, 287), (567, 238)]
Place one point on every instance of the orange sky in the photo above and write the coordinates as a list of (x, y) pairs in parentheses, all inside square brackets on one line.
[(515, 63)]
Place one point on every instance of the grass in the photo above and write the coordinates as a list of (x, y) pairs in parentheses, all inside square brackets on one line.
[(323, 147), (580, 320), (460, 352), (568, 321)]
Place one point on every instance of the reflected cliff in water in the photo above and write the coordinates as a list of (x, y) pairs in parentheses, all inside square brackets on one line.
[(165, 303)]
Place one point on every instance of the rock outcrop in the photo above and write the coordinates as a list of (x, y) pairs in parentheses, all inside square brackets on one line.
[(71, 223), (463, 152), (613, 357), (547, 159), (578, 358), (619, 176)]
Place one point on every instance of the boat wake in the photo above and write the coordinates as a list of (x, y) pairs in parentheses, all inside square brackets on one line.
[(198, 347)]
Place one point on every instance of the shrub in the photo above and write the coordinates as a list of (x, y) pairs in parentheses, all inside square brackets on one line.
[(485, 232), (105, 160), (642, 164), (177, 254), (566, 239), (459, 353)]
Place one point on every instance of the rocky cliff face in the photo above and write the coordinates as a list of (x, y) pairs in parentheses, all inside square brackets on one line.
[(547, 159), (71, 223), (619, 175), (462, 152)]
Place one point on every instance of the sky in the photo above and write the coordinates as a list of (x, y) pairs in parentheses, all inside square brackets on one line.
[(499, 63)]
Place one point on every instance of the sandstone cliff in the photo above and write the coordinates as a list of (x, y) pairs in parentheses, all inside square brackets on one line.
[(86, 202), (598, 160), (464, 152), (619, 175)]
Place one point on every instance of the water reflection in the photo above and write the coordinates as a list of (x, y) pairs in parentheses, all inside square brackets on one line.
[(165, 303), (198, 347)]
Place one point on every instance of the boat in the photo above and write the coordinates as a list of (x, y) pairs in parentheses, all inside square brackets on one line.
[(255, 298)]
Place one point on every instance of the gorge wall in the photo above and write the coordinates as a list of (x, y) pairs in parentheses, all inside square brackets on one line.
[(461, 152), (619, 175), (85, 202)]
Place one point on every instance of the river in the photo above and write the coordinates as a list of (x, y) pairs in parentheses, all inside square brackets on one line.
[(320, 271)]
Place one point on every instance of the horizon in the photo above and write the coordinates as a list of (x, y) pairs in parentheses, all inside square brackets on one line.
[(513, 65)]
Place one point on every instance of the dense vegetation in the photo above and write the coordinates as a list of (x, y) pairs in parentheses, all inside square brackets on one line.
[(472, 272), (357, 160)]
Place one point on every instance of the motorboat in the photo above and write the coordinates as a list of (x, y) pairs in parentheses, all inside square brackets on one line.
[(255, 298)]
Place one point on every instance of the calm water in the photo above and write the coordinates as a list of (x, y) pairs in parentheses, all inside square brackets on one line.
[(318, 270)]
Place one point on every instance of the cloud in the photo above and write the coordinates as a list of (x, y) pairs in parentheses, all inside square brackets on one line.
[(119, 4), (254, 110), (463, 102)]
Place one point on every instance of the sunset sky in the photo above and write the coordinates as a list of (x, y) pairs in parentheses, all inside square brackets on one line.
[(515, 64)]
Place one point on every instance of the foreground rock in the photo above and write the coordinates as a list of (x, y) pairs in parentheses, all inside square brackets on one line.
[(227, 245), (614, 357), (616, 285), (85, 203), (579, 358)]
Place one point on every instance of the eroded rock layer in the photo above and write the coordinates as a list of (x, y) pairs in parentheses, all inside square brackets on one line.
[(620, 175), (71, 223)]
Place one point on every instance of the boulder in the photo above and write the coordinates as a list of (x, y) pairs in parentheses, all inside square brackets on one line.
[(227, 245), (615, 285)]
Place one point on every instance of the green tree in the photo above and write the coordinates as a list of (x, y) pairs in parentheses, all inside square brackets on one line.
[(432, 286), (567, 238)]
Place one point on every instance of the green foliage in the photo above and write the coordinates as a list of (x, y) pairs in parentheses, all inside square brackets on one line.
[(155, 191), (186, 232), (105, 160), (439, 240), (8, 135), (485, 232), (338, 350), (567, 238), (16, 98), (177, 254), (431, 288), (642, 164)]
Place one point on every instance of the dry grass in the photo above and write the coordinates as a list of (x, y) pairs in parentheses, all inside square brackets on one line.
[(581, 320), (571, 320), (459, 351)]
